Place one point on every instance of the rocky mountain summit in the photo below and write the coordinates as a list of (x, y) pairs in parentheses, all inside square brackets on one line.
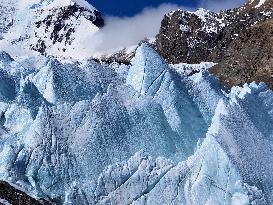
[(189, 37), (201, 36)]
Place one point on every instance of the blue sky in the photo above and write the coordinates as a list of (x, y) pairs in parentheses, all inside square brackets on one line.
[(132, 7), (123, 8)]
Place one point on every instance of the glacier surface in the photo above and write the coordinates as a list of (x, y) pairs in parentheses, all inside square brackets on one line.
[(145, 133)]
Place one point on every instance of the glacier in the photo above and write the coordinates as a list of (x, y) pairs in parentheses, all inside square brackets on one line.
[(145, 133)]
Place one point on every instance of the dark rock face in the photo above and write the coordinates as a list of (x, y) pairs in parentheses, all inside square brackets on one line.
[(239, 40), (98, 20), (244, 19), (244, 51), (189, 37), (248, 58), (120, 57), (266, 5), (192, 37), (16, 197), (6, 17)]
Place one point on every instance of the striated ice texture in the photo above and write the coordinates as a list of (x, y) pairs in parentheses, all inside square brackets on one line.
[(148, 133), (208, 177), (169, 90)]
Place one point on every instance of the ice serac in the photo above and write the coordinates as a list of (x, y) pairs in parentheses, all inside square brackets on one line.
[(69, 122), (146, 133), (208, 177), (244, 129), (147, 71), (150, 75), (70, 82)]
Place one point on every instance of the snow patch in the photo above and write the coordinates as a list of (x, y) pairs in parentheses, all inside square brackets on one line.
[(261, 2)]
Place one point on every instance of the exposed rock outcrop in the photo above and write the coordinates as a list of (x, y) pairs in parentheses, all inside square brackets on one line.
[(239, 40), (189, 37), (248, 58), (15, 196)]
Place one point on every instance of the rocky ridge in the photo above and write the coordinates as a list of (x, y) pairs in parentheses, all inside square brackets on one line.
[(202, 36), (14, 196)]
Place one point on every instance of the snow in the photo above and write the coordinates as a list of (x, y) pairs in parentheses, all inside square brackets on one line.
[(80, 46), (25, 33), (202, 14), (84, 4), (4, 202), (22, 5), (17, 52), (186, 69), (261, 2), (210, 23), (184, 28), (50, 4), (61, 3)]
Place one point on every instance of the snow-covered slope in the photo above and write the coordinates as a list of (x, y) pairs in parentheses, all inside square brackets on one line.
[(259, 3), (147, 133), (51, 27)]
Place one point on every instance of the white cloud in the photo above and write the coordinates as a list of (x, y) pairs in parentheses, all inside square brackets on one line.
[(128, 31), (217, 5)]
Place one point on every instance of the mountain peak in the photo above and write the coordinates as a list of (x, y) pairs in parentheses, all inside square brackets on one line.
[(50, 27), (33, 4), (84, 4), (260, 4), (257, 3)]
